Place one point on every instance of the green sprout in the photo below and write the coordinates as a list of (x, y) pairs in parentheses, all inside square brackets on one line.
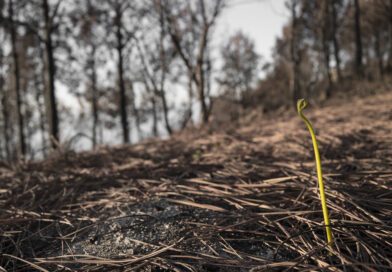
[(301, 104), (196, 155)]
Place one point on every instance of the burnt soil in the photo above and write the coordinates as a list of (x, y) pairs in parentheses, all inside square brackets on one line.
[(243, 197)]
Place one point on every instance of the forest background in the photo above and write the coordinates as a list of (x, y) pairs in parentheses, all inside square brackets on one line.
[(146, 68)]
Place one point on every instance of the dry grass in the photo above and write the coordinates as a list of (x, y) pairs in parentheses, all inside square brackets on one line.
[(247, 189)]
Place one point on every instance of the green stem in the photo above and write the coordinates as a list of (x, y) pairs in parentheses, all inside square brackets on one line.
[(301, 104)]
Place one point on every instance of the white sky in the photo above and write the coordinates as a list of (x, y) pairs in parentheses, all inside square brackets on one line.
[(262, 20)]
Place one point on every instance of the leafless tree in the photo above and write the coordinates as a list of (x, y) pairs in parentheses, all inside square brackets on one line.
[(156, 67), (49, 13), (122, 21), (240, 65), (16, 80), (358, 39), (202, 16), (295, 51), (4, 107), (335, 28)]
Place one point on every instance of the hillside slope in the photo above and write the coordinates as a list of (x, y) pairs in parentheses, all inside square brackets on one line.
[(243, 198)]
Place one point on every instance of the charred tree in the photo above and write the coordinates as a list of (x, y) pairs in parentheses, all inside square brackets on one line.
[(358, 39), (195, 64), (50, 96), (94, 95), (389, 16), (154, 117), (335, 40), (162, 58), (295, 54), (16, 81), (377, 49), (120, 70), (325, 44), (6, 126)]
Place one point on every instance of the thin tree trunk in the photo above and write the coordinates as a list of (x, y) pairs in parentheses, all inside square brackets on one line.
[(295, 58), (153, 100), (189, 112), (378, 53), (94, 96), (389, 64), (207, 81), (16, 72), (196, 70), (165, 112), (135, 113), (1, 151), (123, 99), (101, 140), (200, 81), (41, 107), (202, 98), (6, 123), (154, 117), (358, 42), (4, 112), (328, 68), (389, 67), (325, 45), (335, 41), (41, 118), (163, 70), (50, 97)]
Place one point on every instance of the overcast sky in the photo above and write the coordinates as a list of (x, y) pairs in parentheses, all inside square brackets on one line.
[(262, 20)]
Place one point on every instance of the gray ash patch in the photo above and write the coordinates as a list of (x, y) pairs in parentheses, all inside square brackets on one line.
[(147, 227), (157, 223)]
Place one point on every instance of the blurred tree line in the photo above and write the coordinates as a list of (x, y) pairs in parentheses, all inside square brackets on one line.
[(125, 61), (326, 46)]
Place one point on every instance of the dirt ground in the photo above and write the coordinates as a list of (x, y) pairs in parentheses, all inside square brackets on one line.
[(243, 197)]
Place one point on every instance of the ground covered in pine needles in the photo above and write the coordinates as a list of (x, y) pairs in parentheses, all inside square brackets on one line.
[(239, 198)]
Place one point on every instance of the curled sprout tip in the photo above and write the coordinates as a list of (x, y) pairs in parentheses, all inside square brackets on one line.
[(301, 104)]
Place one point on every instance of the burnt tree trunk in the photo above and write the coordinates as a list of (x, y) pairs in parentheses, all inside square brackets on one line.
[(120, 67), (200, 78), (199, 67), (195, 69), (201, 93), (325, 46), (358, 41), (154, 117), (40, 92), (165, 112), (16, 83), (389, 64), (378, 53), (335, 40), (50, 96), (94, 96), (295, 56), (188, 112), (4, 109), (163, 69)]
